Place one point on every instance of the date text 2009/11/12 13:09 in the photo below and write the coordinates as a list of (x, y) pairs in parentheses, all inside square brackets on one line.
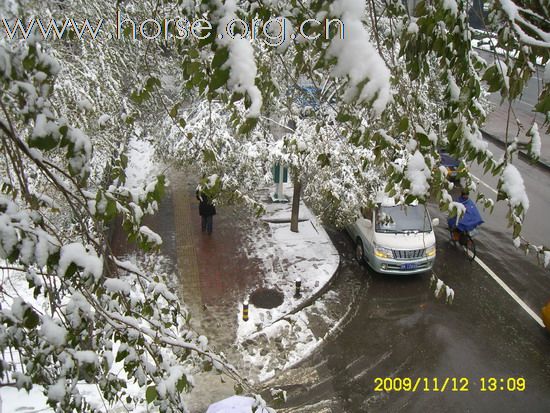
[(453, 384)]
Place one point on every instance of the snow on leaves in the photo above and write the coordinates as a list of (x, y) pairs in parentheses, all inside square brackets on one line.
[(369, 78), (82, 301), (418, 173), (68, 304), (240, 60), (512, 184), (76, 254)]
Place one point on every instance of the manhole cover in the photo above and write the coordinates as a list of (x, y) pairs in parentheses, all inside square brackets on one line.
[(266, 298)]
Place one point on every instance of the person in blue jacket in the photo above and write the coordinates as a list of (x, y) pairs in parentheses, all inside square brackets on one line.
[(471, 218)]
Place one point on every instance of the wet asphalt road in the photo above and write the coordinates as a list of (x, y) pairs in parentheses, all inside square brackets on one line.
[(401, 330)]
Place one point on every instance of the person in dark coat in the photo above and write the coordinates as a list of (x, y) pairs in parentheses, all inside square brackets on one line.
[(207, 211)]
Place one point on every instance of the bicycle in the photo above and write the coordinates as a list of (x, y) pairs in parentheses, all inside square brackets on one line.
[(464, 239)]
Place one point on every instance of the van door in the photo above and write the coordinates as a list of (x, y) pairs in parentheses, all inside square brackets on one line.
[(367, 231)]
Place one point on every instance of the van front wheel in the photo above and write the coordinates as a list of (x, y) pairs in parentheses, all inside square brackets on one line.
[(359, 252)]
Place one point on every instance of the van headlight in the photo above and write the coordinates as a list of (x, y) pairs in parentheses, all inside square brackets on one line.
[(382, 252), (430, 251)]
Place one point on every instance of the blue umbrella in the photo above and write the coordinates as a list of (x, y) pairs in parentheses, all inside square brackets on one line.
[(469, 220)]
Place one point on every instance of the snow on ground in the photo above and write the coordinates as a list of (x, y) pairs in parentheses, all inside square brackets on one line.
[(280, 339), (237, 404), (13, 400), (287, 256)]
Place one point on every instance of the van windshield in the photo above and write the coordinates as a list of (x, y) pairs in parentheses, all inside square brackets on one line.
[(401, 219)]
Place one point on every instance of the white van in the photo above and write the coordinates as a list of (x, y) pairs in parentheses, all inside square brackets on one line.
[(395, 239)]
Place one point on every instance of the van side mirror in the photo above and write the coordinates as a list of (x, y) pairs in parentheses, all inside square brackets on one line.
[(435, 222), (368, 223)]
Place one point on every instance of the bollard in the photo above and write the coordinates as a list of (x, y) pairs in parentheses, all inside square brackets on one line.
[(298, 286), (245, 311)]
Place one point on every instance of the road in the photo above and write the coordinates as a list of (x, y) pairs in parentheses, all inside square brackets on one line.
[(402, 330), (518, 119)]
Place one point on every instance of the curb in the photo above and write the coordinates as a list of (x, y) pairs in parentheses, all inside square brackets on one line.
[(314, 296), (281, 220), (306, 303), (522, 155)]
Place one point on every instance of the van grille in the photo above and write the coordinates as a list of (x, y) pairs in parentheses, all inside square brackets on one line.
[(407, 254)]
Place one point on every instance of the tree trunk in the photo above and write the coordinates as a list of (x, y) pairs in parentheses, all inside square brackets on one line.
[(295, 205)]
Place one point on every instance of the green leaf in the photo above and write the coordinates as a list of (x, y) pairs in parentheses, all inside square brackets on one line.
[(218, 79), (324, 159), (182, 384), (343, 117), (151, 394), (207, 365), (487, 167), (71, 269), (29, 62), (235, 97), (220, 57), (193, 67), (174, 111), (123, 161), (208, 155), (517, 230), (110, 210), (403, 125), (248, 126), (543, 106), (136, 97), (30, 319), (151, 83), (44, 143), (121, 355), (147, 310), (423, 139)]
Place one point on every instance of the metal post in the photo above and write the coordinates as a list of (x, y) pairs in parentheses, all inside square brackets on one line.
[(298, 286), (245, 311), (279, 193)]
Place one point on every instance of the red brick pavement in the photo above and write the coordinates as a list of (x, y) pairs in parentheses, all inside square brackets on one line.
[(225, 271)]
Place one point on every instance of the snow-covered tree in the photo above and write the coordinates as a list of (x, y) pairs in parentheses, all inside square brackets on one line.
[(398, 84), (412, 77)]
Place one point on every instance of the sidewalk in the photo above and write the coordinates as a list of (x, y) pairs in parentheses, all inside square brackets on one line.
[(247, 258), (495, 129)]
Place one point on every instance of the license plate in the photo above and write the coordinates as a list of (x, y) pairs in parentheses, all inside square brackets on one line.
[(408, 266)]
